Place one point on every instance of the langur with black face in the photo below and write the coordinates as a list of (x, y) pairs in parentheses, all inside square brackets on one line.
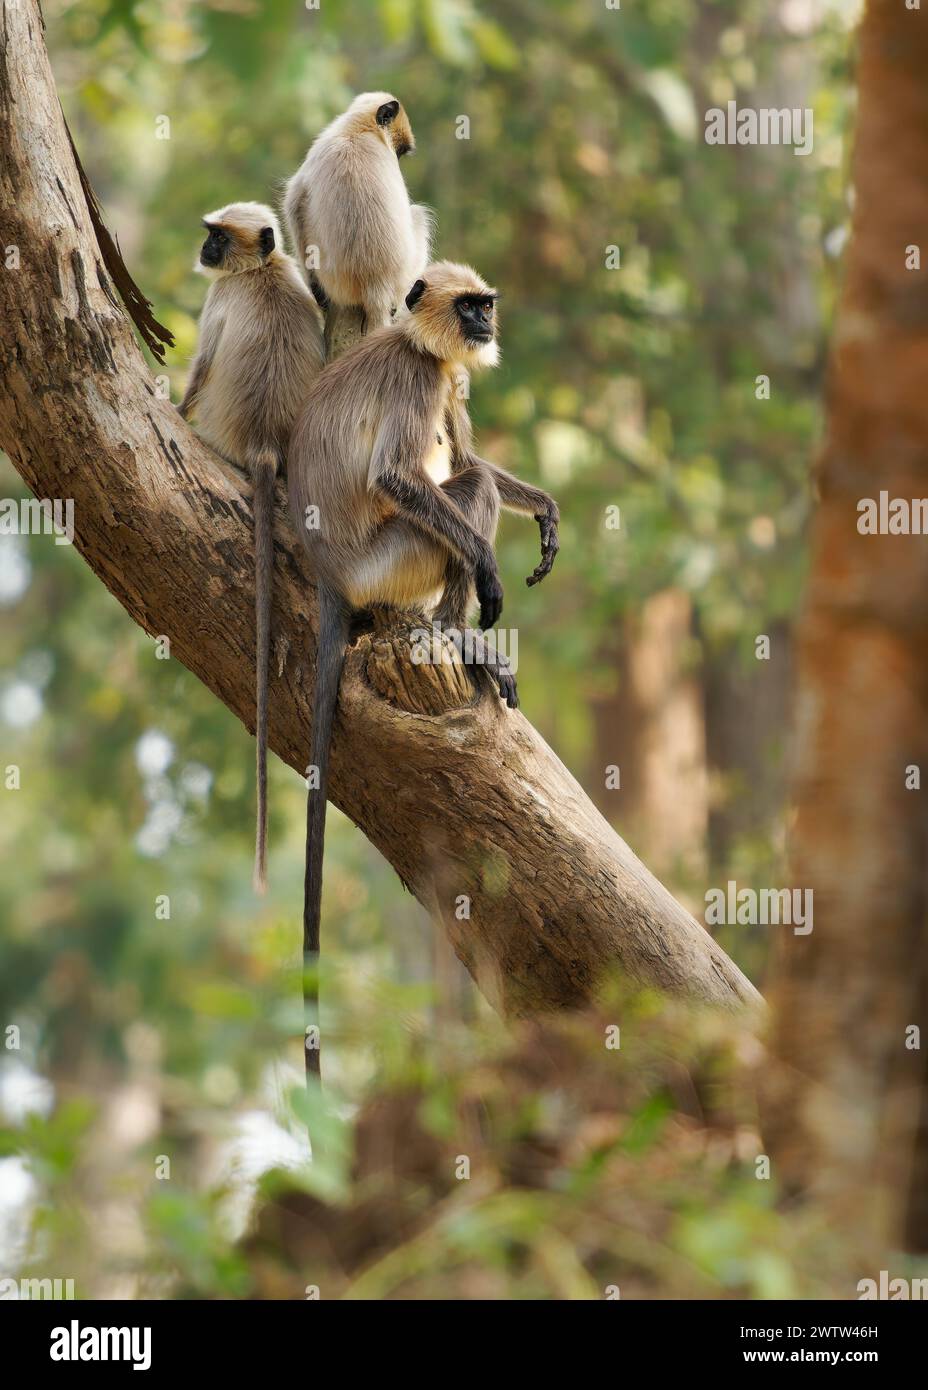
[(349, 202), (394, 506), (260, 348)]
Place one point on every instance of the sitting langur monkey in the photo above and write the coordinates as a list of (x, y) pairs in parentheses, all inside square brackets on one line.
[(394, 506), (260, 348), (349, 200)]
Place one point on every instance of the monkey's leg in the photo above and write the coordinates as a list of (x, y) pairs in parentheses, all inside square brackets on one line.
[(439, 520), (401, 568), (404, 569), (474, 650), (476, 496), (474, 493)]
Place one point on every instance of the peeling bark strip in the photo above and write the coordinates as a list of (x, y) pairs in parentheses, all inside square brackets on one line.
[(154, 334), (470, 801)]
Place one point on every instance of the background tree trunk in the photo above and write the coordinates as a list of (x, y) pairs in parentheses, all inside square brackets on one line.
[(653, 729), (474, 811), (848, 1112)]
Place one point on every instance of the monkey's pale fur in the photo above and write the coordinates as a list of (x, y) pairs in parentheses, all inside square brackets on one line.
[(260, 344), (386, 402), (259, 351), (349, 199)]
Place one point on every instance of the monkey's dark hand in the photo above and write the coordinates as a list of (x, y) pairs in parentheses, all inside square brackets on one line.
[(550, 544), (489, 589)]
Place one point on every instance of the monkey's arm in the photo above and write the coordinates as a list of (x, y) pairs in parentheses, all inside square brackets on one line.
[(423, 504), (515, 495), (520, 497), (206, 351)]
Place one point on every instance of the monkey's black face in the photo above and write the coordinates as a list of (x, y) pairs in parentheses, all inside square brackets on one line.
[(215, 246), (477, 313)]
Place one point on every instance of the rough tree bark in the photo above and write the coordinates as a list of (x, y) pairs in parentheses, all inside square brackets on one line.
[(460, 795), (849, 1111)]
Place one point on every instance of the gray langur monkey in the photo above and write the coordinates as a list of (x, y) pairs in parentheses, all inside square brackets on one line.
[(394, 506), (349, 200), (259, 350)]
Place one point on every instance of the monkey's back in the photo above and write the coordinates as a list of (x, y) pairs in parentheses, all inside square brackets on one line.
[(350, 200), (269, 352)]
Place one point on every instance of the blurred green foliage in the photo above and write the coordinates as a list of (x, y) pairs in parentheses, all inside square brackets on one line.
[(177, 1037)]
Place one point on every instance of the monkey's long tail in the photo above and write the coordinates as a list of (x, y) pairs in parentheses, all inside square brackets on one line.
[(330, 656), (264, 471)]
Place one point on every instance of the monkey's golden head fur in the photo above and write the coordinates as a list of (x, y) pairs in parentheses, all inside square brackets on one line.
[(381, 114), (241, 236), (452, 314)]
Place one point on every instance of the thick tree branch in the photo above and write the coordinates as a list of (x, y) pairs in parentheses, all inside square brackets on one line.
[(469, 801)]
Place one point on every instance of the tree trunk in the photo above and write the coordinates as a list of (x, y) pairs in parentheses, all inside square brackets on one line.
[(846, 1111), (653, 730), (473, 810), (747, 724)]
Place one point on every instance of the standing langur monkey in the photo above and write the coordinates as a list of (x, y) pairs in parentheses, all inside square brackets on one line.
[(349, 201), (260, 348), (396, 509)]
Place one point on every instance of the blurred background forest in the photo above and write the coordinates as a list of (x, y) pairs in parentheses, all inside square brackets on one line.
[(632, 386)]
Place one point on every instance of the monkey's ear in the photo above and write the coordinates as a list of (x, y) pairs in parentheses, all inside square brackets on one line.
[(266, 240), (415, 294), (388, 112)]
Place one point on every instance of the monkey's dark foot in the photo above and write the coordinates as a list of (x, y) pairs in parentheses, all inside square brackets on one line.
[(476, 652), (507, 688), (498, 669), (550, 545)]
